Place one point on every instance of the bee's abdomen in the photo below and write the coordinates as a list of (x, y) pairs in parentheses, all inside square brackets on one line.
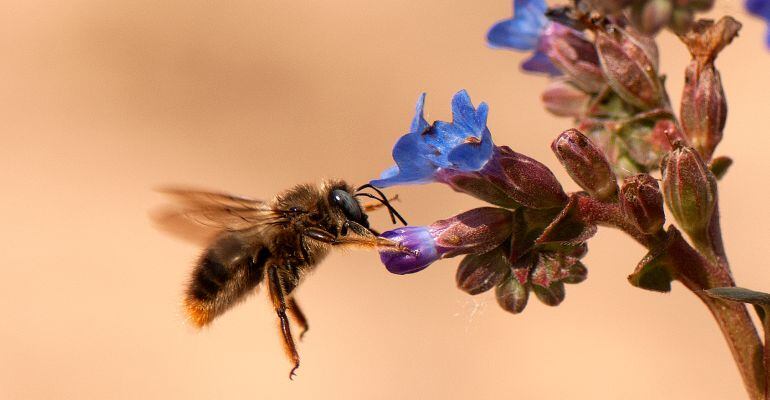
[(224, 275)]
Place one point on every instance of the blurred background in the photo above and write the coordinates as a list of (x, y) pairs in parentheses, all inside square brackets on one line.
[(101, 102)]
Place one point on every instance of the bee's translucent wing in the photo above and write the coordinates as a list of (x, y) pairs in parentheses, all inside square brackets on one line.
[(198, 215)]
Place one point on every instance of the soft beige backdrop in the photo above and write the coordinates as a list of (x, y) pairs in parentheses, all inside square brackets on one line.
[(100, 102)]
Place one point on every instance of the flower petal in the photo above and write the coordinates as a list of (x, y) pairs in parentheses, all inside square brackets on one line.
[(523, 30), (411, 167), (539, 62), (466, 142), (416, 238)]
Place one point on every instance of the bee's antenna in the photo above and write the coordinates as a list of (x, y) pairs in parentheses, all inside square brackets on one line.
[(384, 200)]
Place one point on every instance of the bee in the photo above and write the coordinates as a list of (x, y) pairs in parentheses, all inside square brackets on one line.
[(277, 242)]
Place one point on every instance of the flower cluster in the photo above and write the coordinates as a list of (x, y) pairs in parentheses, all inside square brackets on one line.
[(531, 242), (603, 63), (534, 237), (609, 81)]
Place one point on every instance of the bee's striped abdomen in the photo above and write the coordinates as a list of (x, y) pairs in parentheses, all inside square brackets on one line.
[(226, 272)]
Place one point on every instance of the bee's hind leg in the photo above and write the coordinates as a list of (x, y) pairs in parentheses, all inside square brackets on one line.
[(298, 316), (278, 297)]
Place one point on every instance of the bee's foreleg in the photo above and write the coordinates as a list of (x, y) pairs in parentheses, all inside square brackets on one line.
[(298, 315), (278, 297)]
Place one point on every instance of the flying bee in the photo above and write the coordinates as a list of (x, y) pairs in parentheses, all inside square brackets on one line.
[(276, 242)]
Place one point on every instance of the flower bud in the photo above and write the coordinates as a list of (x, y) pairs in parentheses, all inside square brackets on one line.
[(664, 133), (512, 295), (563, 99), (690, 190), (552, 295), (681, 20), (525, 180), (554, 267), (630, 65), (475, 231), (478, 273), (651, 16), (474, 184), (585, 163), (576, 273), (575, 56), (642, 202), (704, 108)]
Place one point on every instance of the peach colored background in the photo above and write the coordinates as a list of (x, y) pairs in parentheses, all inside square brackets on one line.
[(100, 102)]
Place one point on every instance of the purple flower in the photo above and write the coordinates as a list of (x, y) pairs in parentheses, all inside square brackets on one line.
[(465, 144), (416, 238), (475, 231), (761, 8), (524, 32)]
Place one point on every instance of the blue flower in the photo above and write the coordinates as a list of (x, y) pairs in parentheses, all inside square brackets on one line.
[(761, 8), (524, 32), (465, 144), (419, 240)]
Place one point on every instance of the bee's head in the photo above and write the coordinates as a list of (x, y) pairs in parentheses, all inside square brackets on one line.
[(346, 202)]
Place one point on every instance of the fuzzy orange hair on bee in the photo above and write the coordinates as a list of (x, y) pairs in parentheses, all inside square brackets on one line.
[(273, 242)]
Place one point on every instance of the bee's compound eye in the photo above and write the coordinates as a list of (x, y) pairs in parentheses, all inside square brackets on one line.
[(348, 204)]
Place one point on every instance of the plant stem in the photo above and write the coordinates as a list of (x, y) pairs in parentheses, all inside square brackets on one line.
[(698, 274)]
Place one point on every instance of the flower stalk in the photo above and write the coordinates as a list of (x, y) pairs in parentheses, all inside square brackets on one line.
[(604, 64)]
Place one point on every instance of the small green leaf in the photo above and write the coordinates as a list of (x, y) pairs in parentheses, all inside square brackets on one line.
[(741, 295), (720, 165)]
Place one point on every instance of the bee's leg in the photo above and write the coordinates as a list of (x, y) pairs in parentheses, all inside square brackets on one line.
[(298, 315), (279, 303)]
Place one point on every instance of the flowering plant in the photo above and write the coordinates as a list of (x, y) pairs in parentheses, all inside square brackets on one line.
[(602, 60)]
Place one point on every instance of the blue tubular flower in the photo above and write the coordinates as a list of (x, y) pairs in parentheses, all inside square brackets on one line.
[(463, 145), (761, 8), (416, 238), (523, 32)]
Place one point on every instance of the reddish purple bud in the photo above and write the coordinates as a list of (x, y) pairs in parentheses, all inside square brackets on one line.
[(476, 185), (651, 16), (630, 64), (478, 273), (512, 295), (704, 108), (563, 99), (475, 231), (585, 163), (524, 179), (690, 190), (575, 56), (642, 202), (664, 133)]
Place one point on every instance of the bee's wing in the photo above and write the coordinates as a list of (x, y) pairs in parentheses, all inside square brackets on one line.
[(198, 215)]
